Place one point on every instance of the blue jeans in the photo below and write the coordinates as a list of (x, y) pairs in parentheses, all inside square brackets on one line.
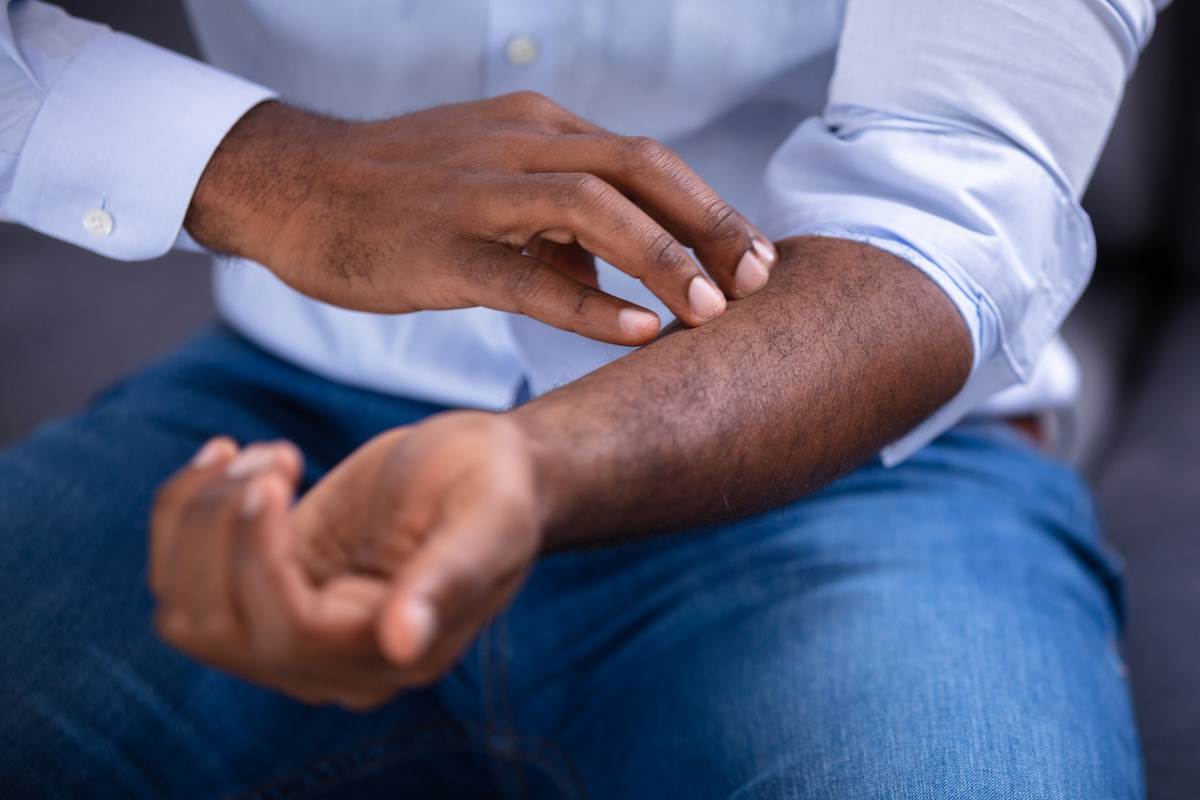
[(946, 628)]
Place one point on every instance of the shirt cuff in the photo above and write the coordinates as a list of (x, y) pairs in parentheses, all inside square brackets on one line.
[(983, 220), (127, 129), (988, 375)]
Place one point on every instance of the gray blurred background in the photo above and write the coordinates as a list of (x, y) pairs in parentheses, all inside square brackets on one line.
[(71, 322)]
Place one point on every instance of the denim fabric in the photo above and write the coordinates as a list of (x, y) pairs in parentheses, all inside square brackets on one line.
[(945, 628)]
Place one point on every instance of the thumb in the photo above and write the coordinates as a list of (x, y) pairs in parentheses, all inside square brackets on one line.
[(463, 574)]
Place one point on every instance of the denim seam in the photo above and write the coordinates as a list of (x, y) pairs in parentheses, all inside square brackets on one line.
[(503, 722), (486, 677), (546, 756), (503, 743), (503, 661), (351, 763)]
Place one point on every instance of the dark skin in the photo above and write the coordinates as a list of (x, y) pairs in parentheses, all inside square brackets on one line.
[(499, 203), (846, 349), (381, 575)]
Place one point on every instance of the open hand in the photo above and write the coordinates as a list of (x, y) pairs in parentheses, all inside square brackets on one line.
[(376, 581), (499, 203)]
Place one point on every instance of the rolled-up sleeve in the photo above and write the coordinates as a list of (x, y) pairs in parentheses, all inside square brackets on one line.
[(960, 136), (103, 137)]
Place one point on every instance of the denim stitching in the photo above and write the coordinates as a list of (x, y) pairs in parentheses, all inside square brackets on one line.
[(503, 743), (487, 646), (395, 747), (548, 757), (398, 747), (503, 724), (485, 688), (354, 762)]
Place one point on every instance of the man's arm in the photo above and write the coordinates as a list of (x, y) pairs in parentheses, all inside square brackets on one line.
[(112, 144), (379, 577), (845, 349), (958, 136)]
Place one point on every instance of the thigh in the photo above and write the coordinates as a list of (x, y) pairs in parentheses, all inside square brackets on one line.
[(91, 703), (946, 628)]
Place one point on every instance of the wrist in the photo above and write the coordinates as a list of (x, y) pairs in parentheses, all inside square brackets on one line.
[(556, 478), (256, 180)]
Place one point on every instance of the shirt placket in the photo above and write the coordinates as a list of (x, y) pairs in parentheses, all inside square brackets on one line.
[(520, 47)]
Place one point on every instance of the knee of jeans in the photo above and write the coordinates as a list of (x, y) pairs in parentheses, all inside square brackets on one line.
[(934, 774)]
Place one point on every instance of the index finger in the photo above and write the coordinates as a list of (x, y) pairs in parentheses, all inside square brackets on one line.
[(581, 207), (734, 252), (172, 499)]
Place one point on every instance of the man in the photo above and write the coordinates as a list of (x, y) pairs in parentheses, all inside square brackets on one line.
[(940, 621)]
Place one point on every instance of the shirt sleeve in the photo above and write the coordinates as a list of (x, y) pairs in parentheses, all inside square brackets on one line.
[(103, 137), (960, 136)]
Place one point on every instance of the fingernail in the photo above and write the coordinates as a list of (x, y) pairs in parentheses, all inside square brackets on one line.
[(251, 460), (634, 321), (766, 251), (751, 274), (207, 455), (252, 501), (420, 618), (704, 298)]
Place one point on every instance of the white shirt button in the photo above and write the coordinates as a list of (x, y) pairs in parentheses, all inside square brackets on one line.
[(521, 51), (98, 222)]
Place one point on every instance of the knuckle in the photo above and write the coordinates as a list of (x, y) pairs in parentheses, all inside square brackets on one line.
[(721, 222), (585, 300), (523, 281), (643, 154), (526, 97), (533, 104), (479, 268), (578, 189), (664, 254)]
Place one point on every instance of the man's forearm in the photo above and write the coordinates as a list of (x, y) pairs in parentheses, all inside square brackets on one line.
[(845, 349), (380, 576)]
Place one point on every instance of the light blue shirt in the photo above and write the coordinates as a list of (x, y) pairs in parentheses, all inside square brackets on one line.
[(958, 135)]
